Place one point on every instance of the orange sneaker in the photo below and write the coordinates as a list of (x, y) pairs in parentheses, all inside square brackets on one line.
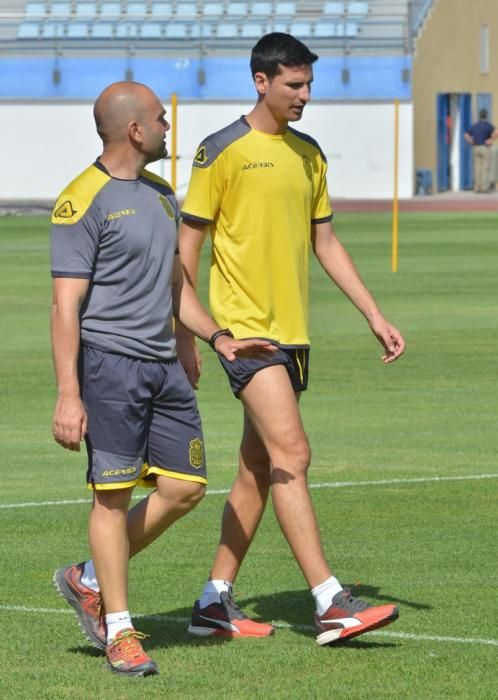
[(348, 617), (225, 619), (126, 656), (86, 602)]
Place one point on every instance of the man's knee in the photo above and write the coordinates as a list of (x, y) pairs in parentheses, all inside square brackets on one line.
[(179, 494), (294, 456)]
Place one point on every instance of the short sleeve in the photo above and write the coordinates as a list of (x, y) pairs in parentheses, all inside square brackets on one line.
[(321, 210), (75, 236), (205, 190)]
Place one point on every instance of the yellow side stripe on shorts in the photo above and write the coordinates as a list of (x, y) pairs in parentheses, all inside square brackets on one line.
[(301, 370), (176, 475)]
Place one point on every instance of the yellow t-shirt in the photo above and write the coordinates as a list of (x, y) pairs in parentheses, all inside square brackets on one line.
[(260, 194)]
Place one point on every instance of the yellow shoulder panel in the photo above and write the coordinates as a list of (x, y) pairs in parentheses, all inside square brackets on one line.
[(155, 178), (78, 196)]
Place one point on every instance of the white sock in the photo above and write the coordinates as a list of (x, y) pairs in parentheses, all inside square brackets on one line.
[(116, 622), (212, 590), (89, 577), (324, 592)]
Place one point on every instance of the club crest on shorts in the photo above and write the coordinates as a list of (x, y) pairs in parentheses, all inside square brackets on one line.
[(195, 453)]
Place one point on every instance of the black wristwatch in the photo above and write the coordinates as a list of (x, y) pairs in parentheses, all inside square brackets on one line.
[(217, 334)]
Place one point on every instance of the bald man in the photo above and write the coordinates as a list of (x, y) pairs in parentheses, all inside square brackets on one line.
[(117, 283)]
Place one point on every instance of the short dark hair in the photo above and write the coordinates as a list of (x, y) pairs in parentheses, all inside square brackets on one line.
[(279, 49), (483, 114)]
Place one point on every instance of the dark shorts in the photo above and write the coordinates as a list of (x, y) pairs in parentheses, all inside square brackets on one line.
[(295, 360), (142, 421)]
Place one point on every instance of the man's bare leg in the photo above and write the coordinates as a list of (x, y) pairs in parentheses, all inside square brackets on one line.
[(244, 507), (272, 407)]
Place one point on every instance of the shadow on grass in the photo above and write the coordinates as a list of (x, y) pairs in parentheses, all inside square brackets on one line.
[(292, 609)]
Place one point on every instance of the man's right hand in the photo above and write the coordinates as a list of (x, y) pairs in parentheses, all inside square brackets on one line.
[(70, 422)]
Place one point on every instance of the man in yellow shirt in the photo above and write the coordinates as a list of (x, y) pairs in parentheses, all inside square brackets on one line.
[(260, 188)]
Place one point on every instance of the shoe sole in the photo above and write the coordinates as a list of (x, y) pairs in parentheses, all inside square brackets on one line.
[(150, 671), (217, 632), (344, 633), (65, 592)]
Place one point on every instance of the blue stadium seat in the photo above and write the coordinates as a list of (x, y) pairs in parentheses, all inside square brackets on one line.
[(212, 9), (301, 30), (127, 30), (334, 9), (282, 27), (102, 30), (201, 30), (324, 30), (351, 29), (237, 9), (110, 9), (28, 30), (151, 30), (53, 30), (88, 10), (252, 30), (226, 30), (186, 10), (35, 9), (358, 9), (136, 9), (162, 9), (285, 9), (175, 30), (60, 9), (77, 30), (261, 9)]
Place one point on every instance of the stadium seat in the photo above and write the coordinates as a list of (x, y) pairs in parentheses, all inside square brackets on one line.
[(301, 30), (35, 9), (60, 9), (77, 30), (161, 9), (135, 9), (201, 30), (102, 30), (175, 30), (28, 30), (110, 9), (186, 10), (351, 29), (277, 27), (88, 10), (212, 9), (334, 9), (285, 9), (127, 30), (53, 30), (237, 9), (323, 30), (358, 9), (151, 30), (226, 30), (252, 30), (261, 9)]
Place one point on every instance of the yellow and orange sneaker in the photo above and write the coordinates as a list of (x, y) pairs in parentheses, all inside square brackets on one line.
[(86, 602), (126, 656), (225, 619)]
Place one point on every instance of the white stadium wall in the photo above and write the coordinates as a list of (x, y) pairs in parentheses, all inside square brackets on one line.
[(45, 145)]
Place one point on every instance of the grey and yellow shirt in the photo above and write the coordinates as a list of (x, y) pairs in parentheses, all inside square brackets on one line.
[(122, 236)]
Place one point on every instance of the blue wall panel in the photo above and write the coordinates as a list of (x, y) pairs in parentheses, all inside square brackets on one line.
[(225, 78)]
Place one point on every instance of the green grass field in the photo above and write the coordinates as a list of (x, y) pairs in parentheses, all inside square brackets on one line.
[(404, 480)]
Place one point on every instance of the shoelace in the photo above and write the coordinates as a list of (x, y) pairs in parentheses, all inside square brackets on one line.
[(354, 603), (128, 644), (234, 609)]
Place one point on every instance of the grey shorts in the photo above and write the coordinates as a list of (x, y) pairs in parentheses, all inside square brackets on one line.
[(143, 421), (295, 360)]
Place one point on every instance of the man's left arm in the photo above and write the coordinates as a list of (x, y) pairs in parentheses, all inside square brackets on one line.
[(337, 263)]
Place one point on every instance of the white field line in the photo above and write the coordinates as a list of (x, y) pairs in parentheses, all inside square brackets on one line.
[(279, 625), (324, 485)]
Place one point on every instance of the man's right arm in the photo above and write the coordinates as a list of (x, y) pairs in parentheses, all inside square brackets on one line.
[(69, 421), (190, 242)]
